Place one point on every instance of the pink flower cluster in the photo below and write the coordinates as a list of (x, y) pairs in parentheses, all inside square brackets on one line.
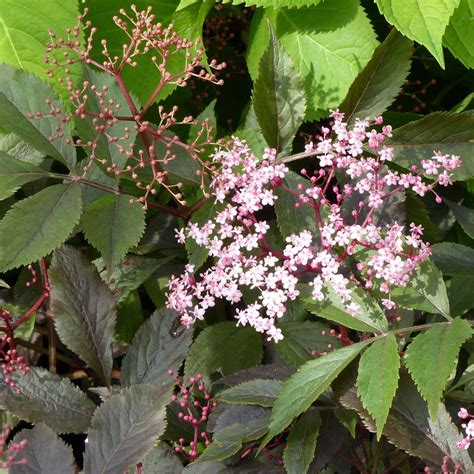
[(237, 238), (468, 428)]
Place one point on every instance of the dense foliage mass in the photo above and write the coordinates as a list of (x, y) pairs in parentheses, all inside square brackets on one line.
[(236, 236)]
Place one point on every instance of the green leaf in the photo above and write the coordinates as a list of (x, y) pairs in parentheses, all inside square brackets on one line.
[(37, 225), (425, 291), (23, 41), (274, 3), (125, 428), (448, 132), (304, 387), (44, 452), (208, 114), (15, 173), (86, 127), (154, 350), (370, 318), (409, 426), (249, 129), (262, 392), (84, 309), (142, 79), (421, 20), (22, 93), (460, 295), (459, 35), (229, 440), (129, 274), (219, 348), (377, 86), (454, 259), (278, 99), (130, 317), (432, 356), (14, 146), (162, 459), (463, 215), (112, 224), (291, 219), (46, 397), (329, 43), (299, 451), (198, 254), (465, 104), (378, 378), (302, 339)]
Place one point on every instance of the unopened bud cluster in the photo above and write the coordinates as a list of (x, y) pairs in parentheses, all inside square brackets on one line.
[(112, 112), (195, 405)]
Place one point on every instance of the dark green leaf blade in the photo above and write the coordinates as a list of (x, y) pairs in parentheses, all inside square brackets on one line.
[(262, 392), (219, 348), (304, 387), (431, 358), (454, 259), (292, 216), (15, 173), (376, 87), (409, 426), (464, 215), (370, 317), (84, 309), (228, 440), (162, 459), (37, 225), (44, 452), (459, 35), (278, 98), (154, 350), (426, 291), (46, 397), (113, 225), (299, 451), (22, 93), (422, 21), (377, 380), (125, 428), (302, 339), (448, 132)]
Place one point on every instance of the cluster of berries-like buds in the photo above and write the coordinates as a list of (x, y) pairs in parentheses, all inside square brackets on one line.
[(10, 362), (10, 454), (386, 255), (195, 405), (112, 115)]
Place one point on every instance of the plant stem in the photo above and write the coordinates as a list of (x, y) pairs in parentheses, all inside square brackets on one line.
[(377, 457)]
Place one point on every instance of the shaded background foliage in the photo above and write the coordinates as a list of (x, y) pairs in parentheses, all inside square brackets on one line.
[(102, 336)]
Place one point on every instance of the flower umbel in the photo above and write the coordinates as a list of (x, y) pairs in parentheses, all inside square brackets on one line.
[(385, 254)]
